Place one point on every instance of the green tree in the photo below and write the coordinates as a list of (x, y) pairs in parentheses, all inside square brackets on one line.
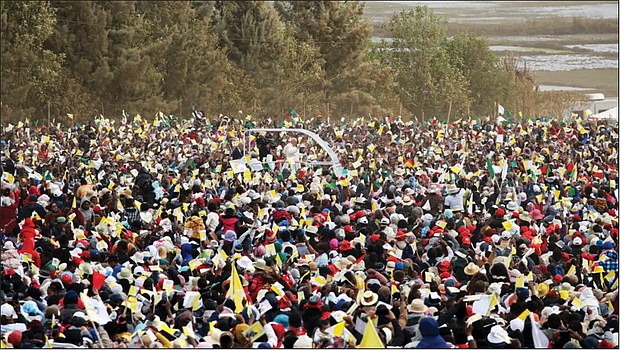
[(342, 36), (28, 70), (135, 85), (185, 52), (428, 84), (81, 36), (252, 35), (295, 78), (487, 79)]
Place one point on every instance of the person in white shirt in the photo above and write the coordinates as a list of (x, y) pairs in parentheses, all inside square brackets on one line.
[(7, 318), (291, 153), (454, 197)]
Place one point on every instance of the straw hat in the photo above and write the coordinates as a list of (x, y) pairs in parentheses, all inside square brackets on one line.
[(261, 265), (452, 189), (471, 269), (417, 306), (126, 274), (369, 298), (525, 216), (214, 336)]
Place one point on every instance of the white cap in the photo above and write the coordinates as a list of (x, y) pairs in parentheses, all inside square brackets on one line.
[(7, 310)]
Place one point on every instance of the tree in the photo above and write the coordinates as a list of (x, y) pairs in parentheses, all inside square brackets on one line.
[(185, 52), (487, 79), (28, 70), (342, 36), (81, 36), (252, 35), (428, 84)]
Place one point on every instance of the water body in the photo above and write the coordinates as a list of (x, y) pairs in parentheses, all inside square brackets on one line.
[(560, 88), (509, 9), (596, 47), (537, 59), (567, 62)]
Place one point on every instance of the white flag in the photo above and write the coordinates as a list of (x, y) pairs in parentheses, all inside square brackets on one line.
[(427, 206), (500, 109), (540, 339)]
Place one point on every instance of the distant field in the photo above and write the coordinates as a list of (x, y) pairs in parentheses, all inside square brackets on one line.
[(597, 80), (563, 41)]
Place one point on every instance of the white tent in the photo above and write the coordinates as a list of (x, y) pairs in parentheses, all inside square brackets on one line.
[(608, 114)]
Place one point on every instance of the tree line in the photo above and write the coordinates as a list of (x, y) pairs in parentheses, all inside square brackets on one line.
[(263, 58)]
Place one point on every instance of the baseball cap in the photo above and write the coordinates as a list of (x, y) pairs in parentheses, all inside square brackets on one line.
[(7, 310)]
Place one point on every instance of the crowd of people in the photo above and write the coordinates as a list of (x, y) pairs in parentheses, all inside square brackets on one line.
[(169, 233)]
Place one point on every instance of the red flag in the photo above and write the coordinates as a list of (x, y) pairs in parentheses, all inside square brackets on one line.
[(98, 279)]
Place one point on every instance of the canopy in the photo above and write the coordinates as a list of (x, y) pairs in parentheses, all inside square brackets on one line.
[(608, 114), (335, 162)]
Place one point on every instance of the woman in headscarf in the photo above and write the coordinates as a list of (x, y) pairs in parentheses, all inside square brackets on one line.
[(186, 253), (430, 335)]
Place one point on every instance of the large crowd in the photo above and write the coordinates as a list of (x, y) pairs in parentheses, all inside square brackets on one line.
[(170, 233)]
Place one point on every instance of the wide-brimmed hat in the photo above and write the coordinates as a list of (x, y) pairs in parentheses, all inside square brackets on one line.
[(343, 264), (543, 289), (498, 335), (214, 336), (525, 216), (512, 206), (125, 193), (261, 265), (417, 306), (471, 269), (536, 215), (125, 273), (407, 201), (369, 298), (452, 189), (399, 172)]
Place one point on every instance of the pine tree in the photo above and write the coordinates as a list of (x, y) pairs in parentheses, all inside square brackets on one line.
[(342, 36), (28, 70)]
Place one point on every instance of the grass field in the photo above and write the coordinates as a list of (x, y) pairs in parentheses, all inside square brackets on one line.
[(598, 80), (533, 29)]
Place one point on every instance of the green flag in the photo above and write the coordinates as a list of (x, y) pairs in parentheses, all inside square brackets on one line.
[(490, 168)]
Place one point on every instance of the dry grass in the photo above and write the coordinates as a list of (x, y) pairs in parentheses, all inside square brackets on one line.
[(599, 80)]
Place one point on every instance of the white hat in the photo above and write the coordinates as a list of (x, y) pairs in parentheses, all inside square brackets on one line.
[(138, 270), (7, 310), (303, 342), (452, 189), (498, 335), (512, 206), (369, 298)]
